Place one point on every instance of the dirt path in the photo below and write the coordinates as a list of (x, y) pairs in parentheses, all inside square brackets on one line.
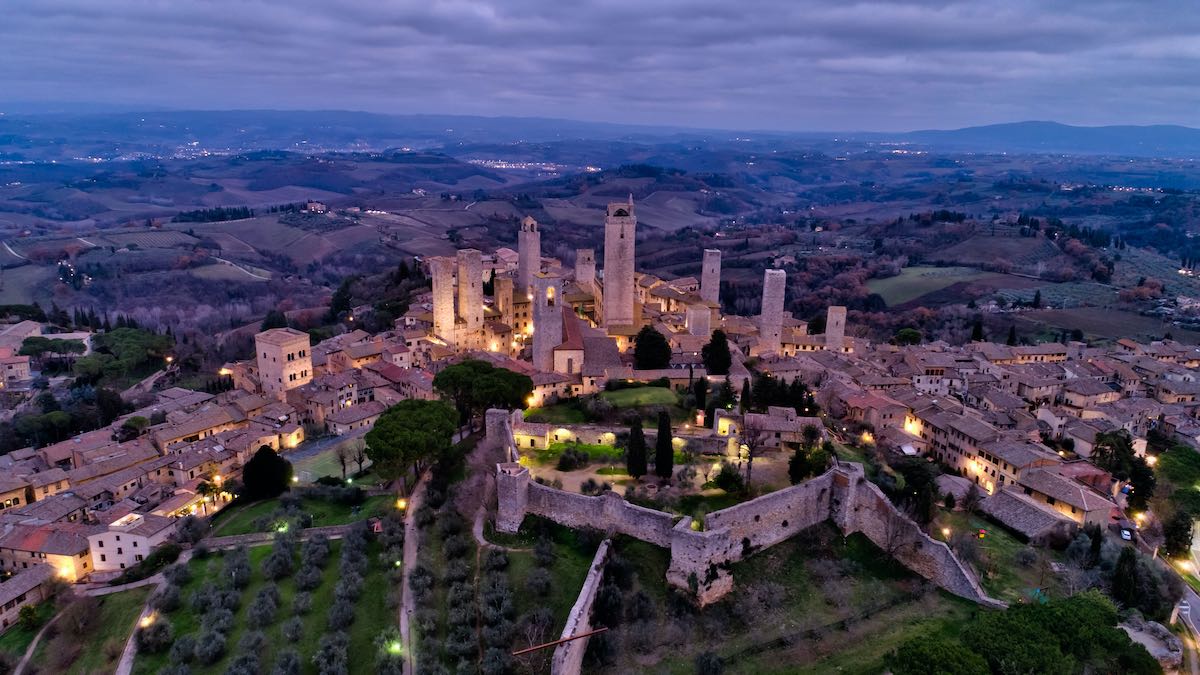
[(33, 646), (411, 549)]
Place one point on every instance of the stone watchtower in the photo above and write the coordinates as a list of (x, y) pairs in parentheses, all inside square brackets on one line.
[(442, 272), (529, 254), (770, 317), (547, 320), (283, 360), (835, 329), (585, 267), (620, 229), (470, 289), (710, 275)]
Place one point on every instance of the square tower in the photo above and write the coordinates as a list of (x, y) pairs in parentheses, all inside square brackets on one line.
[(441, 271), (529, 254), (770, 317), (283, 360), (710, 276), (547, 320), (470, 289), (620, 229), (585, 267), (835, 328)]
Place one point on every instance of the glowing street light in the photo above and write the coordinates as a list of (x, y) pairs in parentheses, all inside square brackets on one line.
[(946, 532), (402, 503)]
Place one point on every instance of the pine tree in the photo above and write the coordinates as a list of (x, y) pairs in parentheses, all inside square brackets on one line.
[(664, 451), (635, 455)]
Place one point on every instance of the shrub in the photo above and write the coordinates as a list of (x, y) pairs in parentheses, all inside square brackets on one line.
[(331, 657), (709, 663), (449, 524), (157, 559), (315, 551), (496, 661), (424, 516), (252, 641), (539, 582), (308, 578), (544, 553), (277, 565), (572, 460), (155, 638), (302, 602), (184, 649), (178, 574), (456, 570), (266, 604), (218, 620), (210, 647), (455, 547), (341, 614), (167, 598), (293, 629), (730, 479), (243, 664), (495, 561), (287, 662)]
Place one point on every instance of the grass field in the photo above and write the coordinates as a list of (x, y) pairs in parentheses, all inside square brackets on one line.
[(914, 282), (16, 640), (559, 413), (1099, 323), (631, 398), (115, 620), (815, 603), (372, 615), (325, 463), (223, 272), (999, 572), (25, 284), (256, 516)]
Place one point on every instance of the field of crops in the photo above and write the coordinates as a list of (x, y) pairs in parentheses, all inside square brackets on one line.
[(26, 284), (158, 239)]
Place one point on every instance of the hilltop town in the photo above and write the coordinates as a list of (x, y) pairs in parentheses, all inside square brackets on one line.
[(632, 407)]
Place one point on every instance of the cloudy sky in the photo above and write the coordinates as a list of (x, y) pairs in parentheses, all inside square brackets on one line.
[(748, 64)]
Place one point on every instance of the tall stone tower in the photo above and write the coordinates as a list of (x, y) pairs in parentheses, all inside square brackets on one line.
[(470, 289), (504, 298), (547, 320), (835, 328), (770, 318), (529, 254), (710, 276), (585, 267), (699, 320), (620, 228), (283, 360), (442, 272)]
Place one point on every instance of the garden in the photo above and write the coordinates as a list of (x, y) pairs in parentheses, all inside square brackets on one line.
[(317, 506), (87, 637), (294, 606)]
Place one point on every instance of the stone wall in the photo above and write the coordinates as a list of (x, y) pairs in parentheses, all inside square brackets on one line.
[(699, 554), (568, 656)]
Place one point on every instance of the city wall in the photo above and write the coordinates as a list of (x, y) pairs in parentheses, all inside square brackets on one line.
[(700, 551), (568, 656)]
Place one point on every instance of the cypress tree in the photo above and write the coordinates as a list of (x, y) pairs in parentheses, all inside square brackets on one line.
[(664, 453), (635, 457), (745, 402), (1012, 336)]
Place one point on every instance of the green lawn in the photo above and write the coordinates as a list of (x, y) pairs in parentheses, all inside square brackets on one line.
[(244, 519), (326, 463), (640, 396), (372, 615), (606, 454), (559, 413), (118, 615), (913, 282), (999, 572), (16, 640)]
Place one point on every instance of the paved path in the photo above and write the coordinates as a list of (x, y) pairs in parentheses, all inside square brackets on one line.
[(10, 250), (33, 646), (411, 542)]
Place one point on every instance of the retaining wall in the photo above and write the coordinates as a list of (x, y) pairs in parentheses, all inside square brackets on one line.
[(699, 554), (568, 656)]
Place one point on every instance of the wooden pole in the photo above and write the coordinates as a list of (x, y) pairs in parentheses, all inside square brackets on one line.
[(559, 642)]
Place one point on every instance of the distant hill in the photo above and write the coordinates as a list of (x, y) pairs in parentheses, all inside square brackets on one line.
[(52, 135), (1052, 137)]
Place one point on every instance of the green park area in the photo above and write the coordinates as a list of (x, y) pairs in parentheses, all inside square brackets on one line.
[(270, 514), (290, 606), (88, 636), (640, 396)]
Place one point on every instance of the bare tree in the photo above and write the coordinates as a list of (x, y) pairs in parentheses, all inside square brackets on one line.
[(753, 437), (342, 451), (359, 453)]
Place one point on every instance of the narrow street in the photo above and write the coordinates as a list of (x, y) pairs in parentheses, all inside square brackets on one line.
[(411, 542)]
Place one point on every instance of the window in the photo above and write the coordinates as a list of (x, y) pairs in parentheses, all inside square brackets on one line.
[(99, 543), (103, 558)]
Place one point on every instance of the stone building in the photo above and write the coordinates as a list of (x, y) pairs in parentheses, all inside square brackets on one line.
[(283, 360), (620, 230)]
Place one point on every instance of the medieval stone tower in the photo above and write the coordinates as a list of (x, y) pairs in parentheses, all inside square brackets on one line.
[(620, 228), (835, 328), (470, 289), (710, 276), (529, 254), (585, 267), (547, 320), (770, 318), (442, 272)]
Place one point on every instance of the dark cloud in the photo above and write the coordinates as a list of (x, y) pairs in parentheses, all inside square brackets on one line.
[(795, 64)]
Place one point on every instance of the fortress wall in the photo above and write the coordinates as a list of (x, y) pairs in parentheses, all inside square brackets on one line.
[(568, 656), (777, 516)]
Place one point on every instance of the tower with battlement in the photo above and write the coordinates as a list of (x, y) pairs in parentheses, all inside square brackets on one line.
[(441, 271), (470, 289), (547, 320)]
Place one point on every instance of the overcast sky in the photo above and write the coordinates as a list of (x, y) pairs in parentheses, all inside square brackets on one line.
[(743, 64)]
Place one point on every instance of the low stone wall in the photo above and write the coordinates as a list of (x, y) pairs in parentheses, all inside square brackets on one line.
[(699, 554), (568, 656)]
